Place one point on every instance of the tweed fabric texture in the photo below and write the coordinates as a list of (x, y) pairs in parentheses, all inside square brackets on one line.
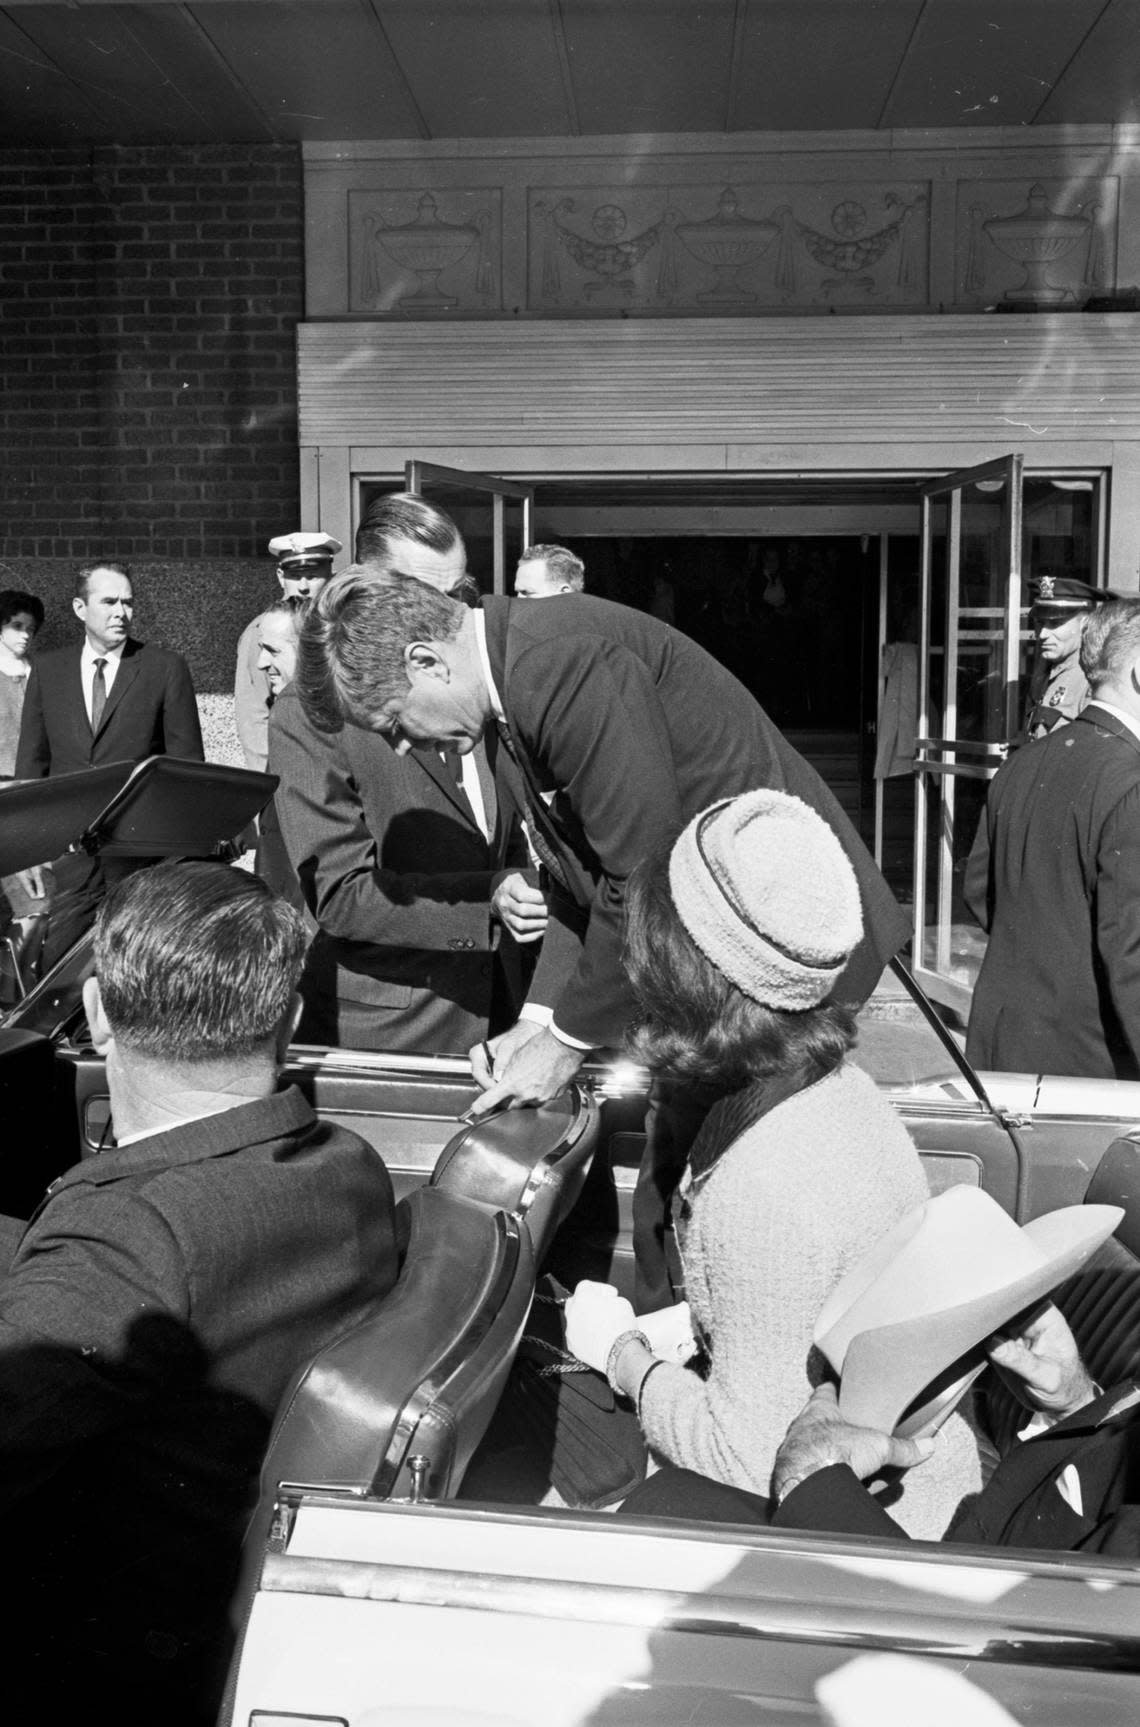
[(764, 888)]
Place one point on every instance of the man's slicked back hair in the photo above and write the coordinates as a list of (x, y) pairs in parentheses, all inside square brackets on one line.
[(406, 516), (351, 658), (85, 572), (561, 565), (1110, 640), (196, 961)]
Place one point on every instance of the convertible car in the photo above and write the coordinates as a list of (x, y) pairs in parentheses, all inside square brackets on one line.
[(375, 1592)]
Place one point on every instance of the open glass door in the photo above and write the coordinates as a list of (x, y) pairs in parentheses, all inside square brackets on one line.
[(968, 703), (495, 516)]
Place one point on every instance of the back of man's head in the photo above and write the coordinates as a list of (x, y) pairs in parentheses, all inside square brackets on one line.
[(561, 572), (1110, 646), (197, 962), (351, 658), (402, 516)]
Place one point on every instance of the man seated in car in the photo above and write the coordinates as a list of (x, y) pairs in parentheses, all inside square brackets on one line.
[(1072, 1481), (157, 1304)]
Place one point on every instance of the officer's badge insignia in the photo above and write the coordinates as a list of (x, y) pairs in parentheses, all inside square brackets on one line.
[(1056, 696), (1045, 588)]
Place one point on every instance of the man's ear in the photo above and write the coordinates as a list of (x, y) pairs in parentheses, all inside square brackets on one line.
[(281, 580), (79, 607), (424, 659), (97, 1022), (289, 1023)]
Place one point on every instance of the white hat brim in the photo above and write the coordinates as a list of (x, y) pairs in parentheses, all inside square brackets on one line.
[(883, 1370)]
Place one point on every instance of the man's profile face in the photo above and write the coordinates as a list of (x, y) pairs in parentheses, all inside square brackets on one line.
[(277, 650), (1058, 635), (305, 581), (106, 609), (439, 706), (445, 571), (533, 581)]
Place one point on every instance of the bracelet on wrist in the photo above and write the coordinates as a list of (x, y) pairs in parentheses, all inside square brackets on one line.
[(619, 1344)]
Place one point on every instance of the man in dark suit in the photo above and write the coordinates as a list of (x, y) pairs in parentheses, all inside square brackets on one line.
[(634, 729), (154, 1309), (1054, 876), (1072, 1480), (413, 867), (107, 699)]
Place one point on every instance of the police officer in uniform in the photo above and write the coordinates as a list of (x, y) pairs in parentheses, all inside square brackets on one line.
[(304, 565), (1058, 690)]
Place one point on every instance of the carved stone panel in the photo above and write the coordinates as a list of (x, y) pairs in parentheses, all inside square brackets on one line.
[(1046, 242), (416, 253), (743, 246)]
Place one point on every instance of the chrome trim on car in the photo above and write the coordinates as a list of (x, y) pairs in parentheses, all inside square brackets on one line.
[(923, 1632)]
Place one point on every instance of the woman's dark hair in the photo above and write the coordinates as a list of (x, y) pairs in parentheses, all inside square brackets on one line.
[(695, 1024), (13, 602)]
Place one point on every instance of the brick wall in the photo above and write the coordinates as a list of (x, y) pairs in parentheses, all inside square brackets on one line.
[(148, 404)]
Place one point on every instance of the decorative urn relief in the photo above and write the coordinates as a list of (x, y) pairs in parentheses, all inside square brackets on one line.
[(728, 243), (423, 248), (1036, 237)]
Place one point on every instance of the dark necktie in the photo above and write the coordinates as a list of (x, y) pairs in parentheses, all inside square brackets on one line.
[(98, 696), (547, 856)]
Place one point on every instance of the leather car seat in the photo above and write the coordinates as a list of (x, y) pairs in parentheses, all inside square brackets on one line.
[(530, 1162), (420, 1377)]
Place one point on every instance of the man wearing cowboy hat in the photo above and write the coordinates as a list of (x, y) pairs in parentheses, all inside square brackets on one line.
[(1065, 1485), (907, 1330), (1054, 877), (304, 565), (1058, 610)]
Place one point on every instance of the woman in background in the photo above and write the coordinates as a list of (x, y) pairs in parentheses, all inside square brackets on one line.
[(21, 616), (734, 943), (23, 897)]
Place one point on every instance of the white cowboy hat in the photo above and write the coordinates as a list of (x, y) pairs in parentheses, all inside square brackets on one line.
[(912, 1315)]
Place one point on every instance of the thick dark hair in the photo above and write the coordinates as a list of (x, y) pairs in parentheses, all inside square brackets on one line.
[(402, 515), (561, 563), (13, 601), (695, 1024), (85, 572), (196, 961), (351, 656)]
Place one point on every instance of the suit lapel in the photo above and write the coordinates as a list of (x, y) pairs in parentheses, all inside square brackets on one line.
[(433, 766), (125, 676), (485, 768), (76, 707), (1031, 1465)]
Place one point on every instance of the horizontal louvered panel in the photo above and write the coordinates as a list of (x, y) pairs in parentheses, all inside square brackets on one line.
[(836, 381)]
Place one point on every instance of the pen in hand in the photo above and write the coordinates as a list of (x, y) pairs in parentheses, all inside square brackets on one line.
[(467, 1118)]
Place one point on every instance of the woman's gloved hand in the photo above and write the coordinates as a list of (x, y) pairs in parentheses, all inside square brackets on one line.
[(596, 1316)]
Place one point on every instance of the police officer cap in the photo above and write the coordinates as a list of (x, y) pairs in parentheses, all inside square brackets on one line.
[(1065, 593), (299, 551)]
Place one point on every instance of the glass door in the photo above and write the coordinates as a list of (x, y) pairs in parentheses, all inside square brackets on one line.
[(970, 671), (488, 511)]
